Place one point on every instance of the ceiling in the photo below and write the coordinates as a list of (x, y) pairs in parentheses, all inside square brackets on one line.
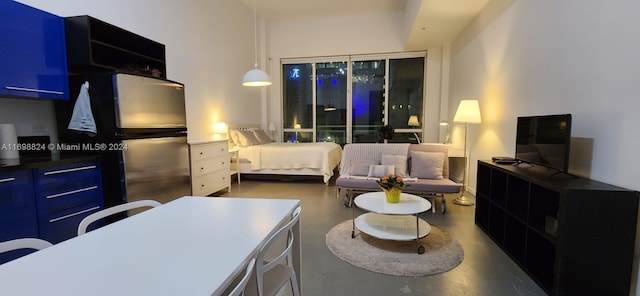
[(435, 22)]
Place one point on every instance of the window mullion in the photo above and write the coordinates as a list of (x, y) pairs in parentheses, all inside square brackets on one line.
[(314, 99)]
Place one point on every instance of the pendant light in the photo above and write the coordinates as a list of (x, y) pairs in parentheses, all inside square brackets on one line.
[(255, 76)]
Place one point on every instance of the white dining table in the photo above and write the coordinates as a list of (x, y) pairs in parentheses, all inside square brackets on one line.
[(189, 246)]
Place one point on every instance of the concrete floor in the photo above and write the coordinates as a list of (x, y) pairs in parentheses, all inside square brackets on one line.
[(486, 269)]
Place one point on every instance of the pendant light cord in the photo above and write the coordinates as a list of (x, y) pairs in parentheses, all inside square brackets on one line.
[(255, 35)]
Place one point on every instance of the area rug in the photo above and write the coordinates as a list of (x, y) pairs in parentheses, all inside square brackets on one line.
[(399, 258)]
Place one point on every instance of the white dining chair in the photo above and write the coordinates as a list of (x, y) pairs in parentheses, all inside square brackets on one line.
[(239, 289), (24, 243), (82, 227), (273, 275)]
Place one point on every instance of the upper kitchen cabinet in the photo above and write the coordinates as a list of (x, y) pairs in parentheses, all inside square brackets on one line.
[(33, 61), (94, 45)]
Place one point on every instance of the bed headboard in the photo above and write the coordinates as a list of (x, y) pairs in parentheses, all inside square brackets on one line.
[(244, 127)]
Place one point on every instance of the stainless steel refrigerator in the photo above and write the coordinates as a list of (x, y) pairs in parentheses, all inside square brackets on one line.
[(141, 135)]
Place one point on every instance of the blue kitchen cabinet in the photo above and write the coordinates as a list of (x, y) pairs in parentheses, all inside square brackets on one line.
[(33, 61), (65, 194), (18, 218)]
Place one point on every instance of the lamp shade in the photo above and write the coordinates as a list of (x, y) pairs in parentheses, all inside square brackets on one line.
[(256, 77), (413, 121), (220, 128), (468, 112), (271, 127), (329, 108), (297, 126)]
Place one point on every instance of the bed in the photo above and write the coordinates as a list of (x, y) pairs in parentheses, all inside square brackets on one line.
[(259, 155)]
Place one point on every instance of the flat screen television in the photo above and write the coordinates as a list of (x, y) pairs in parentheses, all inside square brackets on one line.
[(544, 140)]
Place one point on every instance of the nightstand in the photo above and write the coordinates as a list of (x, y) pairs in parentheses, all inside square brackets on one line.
[(235, 163)]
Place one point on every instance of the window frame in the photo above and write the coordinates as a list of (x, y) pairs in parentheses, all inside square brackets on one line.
[(350, 59)]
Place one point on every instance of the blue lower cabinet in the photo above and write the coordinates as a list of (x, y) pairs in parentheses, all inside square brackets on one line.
[(63, 225), (18, 217), (64, 196)]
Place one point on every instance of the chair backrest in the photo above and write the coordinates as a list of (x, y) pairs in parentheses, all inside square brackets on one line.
[(24, 243), (286, 255), (82, 228), (239, 289)]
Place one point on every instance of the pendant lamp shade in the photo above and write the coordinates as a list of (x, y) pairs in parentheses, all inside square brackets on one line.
[(255, 76)]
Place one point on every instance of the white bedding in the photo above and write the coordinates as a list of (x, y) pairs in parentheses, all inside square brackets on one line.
[(322, 157)]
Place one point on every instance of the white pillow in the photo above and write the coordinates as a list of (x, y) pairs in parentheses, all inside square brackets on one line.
[(262, 136), (233, 136), (246, 139), (380, 170), (427, 165), (398, 161)]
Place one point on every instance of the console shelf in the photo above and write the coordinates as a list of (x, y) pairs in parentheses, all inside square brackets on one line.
[(564, 231)]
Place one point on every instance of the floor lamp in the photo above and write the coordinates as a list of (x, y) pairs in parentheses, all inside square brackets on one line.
[(468, 112)]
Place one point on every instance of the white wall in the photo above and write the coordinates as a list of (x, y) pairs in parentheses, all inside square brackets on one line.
[(336, 36), (209, 47), (30, 117), (548, 57), (545, 57)]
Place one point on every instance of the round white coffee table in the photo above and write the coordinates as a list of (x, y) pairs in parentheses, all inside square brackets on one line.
[(392, 221)]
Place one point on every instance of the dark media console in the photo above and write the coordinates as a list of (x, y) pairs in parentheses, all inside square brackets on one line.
[(573, 236)]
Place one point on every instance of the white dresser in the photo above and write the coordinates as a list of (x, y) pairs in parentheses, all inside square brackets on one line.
[(209, 166)]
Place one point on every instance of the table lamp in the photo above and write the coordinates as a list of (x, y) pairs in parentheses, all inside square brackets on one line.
[(219, 130), (272, 129), (445, 123), (297, 126), (413, 121)]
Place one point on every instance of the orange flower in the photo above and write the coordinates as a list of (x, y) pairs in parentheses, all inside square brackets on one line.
[(391, 181)]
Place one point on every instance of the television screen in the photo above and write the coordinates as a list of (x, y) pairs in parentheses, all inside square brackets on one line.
[(544, 140)]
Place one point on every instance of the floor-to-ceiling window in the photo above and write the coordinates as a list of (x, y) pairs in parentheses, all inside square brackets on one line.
[(406, 80), (348, 99), (331, 102), (298, 102), (367, 97)]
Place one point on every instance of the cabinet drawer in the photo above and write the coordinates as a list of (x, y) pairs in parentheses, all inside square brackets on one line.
[(210, 183), (204, 151), (65, 179), (210, 165), (63, 225), (49, 203)]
